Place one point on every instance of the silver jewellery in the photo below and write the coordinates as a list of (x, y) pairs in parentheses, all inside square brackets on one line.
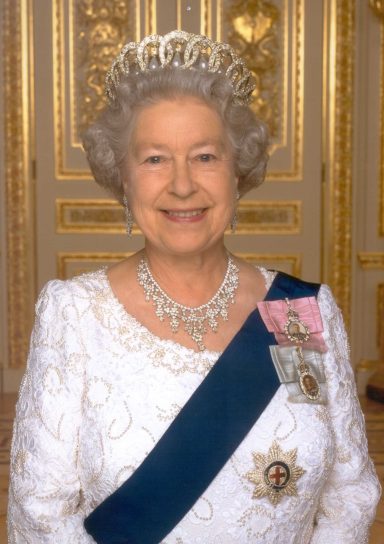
[(195, 319), (128, 217), (180, 49), (234, 219)]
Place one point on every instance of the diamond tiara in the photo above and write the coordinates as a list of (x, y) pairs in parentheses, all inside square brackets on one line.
[(180, 49)]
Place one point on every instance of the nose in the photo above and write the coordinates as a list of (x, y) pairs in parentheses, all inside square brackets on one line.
[(182, 183)]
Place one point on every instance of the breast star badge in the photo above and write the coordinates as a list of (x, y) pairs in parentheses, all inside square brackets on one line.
[(275, 474)]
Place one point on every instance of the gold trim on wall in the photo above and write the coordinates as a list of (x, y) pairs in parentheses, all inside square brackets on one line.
[(92, 216), (65, 259), (240, 33), (367, 365), (150, 17), (381, 169), (19, 186), (98, 259), (371, 260), (206, 18), (377, 6), (293, 260), (339, 49), (379, 313), (107, 216), (64, 36), (269, 217)]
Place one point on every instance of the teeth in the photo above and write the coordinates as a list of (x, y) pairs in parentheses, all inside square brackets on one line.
[(190, 213)]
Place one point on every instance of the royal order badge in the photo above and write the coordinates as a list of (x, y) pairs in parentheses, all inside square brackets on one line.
[(275, 474)]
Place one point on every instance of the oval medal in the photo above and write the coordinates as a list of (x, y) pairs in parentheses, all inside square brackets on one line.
[(309, 386), (296, 331)]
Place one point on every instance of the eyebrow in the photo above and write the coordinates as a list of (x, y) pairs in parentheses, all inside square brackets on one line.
[(144, 145)]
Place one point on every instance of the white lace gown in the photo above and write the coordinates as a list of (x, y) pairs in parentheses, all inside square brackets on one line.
[(100, 390)]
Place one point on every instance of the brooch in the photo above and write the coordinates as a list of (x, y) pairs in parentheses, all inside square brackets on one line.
[(284, 319), (294, 329), (298, 333), (275, 474)]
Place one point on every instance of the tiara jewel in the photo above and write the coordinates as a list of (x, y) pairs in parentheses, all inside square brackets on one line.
[(186, 51)]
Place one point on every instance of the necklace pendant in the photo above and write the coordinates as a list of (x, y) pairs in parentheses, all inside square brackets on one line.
[(194, 319)]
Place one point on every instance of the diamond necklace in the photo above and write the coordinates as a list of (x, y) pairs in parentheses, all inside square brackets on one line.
[(195, 319)]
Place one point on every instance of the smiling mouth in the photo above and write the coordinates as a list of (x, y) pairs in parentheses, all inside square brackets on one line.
[(185, 214)]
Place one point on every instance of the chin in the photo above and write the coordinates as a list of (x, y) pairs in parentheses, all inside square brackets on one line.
[(184, 245)]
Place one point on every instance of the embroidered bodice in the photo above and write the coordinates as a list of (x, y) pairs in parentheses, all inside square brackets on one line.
[(99, 392)]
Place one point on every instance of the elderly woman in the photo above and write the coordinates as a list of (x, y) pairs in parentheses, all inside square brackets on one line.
[(183, 395)]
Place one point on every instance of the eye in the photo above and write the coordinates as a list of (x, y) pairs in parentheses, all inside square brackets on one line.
[(206, 157), (155, 159)]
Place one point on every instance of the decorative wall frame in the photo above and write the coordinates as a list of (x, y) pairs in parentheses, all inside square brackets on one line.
[(73, 263), (106, 216), (338, 104), (19, 174)]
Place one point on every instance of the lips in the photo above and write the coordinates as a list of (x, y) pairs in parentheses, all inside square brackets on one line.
[(185, 213), (185, 216)]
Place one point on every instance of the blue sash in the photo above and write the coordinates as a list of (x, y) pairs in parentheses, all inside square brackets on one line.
[(201, 439)]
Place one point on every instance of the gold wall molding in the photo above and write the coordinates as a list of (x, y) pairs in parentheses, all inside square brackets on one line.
[(287, 262), (367, 365), (150, 17), (377, 6), (260, 30), (90, 216), (338, 96), (19, 186), (371, 260), (62, 170), (381, 169), (380, 315), (269, 217), (107, 216), (70, 264), (94, 41), (255, 27), (85, 39), (206, 17)]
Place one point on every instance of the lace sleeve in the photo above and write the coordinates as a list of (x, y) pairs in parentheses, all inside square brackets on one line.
[(348, 502), (44, 494)]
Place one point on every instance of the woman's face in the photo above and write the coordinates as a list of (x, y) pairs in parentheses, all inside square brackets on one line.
[(179, 177)]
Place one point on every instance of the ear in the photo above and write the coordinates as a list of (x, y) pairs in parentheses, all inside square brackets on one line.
[(124, 181)]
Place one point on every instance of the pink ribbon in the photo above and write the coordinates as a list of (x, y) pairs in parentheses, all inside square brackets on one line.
[(275, 316)]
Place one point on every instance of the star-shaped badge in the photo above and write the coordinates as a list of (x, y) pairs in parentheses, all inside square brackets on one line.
[(275, 474)]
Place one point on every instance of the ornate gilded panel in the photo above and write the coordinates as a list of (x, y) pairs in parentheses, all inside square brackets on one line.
[(98, 30), (381, 171), (338, 99), (107, 216), (269, 36), (87, 35), (378, 8), (371, 260), (380, 314), (72, 264), (19, 197)]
